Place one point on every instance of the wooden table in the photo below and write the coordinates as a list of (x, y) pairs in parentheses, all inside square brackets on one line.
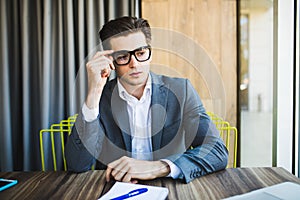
[(92, 184)]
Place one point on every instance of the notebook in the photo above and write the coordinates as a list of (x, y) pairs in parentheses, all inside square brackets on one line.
[(283, 191), (120, 189)]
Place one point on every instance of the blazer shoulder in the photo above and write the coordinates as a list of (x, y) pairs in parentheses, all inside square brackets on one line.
[(168, 80)]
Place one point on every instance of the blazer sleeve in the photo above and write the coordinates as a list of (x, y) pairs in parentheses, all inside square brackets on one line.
[(84, 144), (208, 152)]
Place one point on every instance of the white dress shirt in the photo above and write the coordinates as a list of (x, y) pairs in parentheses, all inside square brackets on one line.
[(139, 114)]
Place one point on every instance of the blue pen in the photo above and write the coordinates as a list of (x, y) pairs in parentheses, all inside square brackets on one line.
[(131, 194)]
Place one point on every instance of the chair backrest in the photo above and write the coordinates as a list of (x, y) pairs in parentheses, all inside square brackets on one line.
[(229, 135), (63, 129)]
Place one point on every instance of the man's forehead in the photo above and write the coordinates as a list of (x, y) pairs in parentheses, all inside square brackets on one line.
[(129, 41)]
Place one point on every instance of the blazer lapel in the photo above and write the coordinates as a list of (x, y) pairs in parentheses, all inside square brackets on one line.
[(158, 110), (120, 115)]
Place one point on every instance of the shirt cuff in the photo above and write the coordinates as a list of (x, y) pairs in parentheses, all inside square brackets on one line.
[(89, 114), (175, 171)]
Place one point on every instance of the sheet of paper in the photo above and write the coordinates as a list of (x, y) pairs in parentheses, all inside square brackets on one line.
[(120, 188), (281, 191)]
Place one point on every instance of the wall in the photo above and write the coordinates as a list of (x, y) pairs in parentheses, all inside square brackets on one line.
[(206, 51), (261, 60)]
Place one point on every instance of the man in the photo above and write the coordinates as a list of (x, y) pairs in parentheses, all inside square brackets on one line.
[(140, 126)]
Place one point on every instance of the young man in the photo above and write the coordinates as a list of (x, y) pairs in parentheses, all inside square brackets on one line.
[(141, 125)]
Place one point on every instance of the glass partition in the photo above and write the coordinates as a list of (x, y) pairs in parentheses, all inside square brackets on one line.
[(256, 82)]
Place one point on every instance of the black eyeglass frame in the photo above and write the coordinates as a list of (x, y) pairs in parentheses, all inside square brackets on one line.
[(114, 54)]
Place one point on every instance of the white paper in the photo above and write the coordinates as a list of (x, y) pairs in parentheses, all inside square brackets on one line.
[(120, 188)]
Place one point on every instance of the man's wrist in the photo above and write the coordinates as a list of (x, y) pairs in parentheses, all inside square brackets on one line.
[(163, 169), (92, 102), (175, 171)]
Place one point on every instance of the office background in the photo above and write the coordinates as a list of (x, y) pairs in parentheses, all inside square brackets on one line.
[(42, 46)]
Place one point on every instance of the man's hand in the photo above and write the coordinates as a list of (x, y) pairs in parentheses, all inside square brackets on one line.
[(98, 69), (128, 169)]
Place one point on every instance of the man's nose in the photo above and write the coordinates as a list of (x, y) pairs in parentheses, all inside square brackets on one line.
[(133, 61)]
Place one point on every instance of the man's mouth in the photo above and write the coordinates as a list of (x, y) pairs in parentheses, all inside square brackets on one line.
[(135, 74)]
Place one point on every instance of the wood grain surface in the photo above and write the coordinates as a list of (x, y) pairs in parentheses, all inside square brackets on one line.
[(213, 26), (92, 184), (54, 185)]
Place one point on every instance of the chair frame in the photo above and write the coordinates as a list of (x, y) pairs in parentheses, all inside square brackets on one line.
[(226, 133), (64, 127)]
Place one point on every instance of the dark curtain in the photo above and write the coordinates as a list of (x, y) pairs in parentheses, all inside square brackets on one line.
[(44, 44)]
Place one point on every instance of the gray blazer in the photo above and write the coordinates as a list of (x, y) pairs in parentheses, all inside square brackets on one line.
[(181, 131)]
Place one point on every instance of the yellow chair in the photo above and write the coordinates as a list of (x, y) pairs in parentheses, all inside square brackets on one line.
[(64, 129), (229, 135)]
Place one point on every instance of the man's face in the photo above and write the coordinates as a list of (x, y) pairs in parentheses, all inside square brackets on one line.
[(135, 73)]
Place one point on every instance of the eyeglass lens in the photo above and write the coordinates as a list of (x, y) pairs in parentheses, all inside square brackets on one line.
[(123, 57)]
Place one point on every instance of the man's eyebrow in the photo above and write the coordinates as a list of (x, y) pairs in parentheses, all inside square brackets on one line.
[(141, 47), (118, 52), (126, 51)]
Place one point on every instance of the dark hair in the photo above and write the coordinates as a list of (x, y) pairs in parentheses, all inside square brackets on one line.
[(124, 26)]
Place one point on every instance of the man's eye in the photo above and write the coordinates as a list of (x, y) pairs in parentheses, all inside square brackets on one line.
[(140, 53), (122, 57)]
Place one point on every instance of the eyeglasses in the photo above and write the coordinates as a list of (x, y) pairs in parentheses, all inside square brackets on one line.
[(123, 57)]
